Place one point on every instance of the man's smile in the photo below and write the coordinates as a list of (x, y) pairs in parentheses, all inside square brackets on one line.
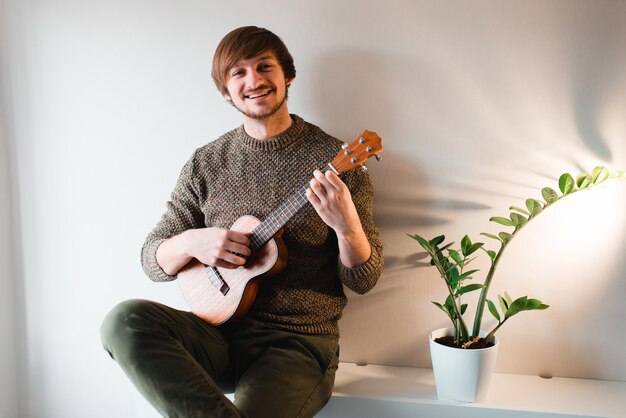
[(257, 95)]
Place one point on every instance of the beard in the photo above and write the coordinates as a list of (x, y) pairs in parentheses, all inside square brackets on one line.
[(264, 114)]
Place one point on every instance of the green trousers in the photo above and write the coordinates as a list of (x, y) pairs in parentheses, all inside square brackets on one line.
[(183, 366)]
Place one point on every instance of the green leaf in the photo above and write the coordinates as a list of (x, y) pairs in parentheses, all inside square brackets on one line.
[(449, 304), (505, 237), (534, 206), (566, 183), (463, 308), (490, 236), (423, 242), (524, 304), (493, 309), (518, 220), (502, 221), (549, 195), (467, 274), (599, 174), (453, 277), (469, 288), (508, 298), (448, 266), (535, 304), (475, 247), (520, 210), (504, 306), (467, 247), (466, 243), (443, 308), (437, 240), (492, 254), (456, 257), (445, 247), (516, 307), (583, 180)]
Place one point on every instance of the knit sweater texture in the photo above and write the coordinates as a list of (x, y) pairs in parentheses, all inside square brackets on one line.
[(238, 175)]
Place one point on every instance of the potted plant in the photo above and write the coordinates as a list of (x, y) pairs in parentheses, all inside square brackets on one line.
[(466, 356)]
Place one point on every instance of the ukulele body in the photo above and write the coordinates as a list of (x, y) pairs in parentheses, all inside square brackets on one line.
[(218, 294)]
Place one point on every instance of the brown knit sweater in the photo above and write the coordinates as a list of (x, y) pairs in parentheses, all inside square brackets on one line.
[(238, 175)]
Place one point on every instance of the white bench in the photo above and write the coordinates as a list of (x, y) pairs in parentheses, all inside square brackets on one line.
[(374, 391)]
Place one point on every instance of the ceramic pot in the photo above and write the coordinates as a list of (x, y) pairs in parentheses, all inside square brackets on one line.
[(461, 375)]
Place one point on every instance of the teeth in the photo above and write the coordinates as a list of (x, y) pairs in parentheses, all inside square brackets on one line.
[(258, 95)]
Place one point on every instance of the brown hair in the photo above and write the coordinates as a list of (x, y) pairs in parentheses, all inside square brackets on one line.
[(244, 43)]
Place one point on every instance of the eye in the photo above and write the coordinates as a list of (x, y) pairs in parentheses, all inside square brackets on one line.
[(265, 67), (236, 72)]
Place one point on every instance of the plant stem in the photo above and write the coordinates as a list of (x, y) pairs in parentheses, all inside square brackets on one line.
[(484, 292), (460, 327), (489, 336)]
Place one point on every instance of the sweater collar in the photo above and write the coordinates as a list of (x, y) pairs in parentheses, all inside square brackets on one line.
[(290, 136)]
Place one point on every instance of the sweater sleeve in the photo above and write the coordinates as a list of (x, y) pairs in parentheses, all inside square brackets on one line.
[(182, 213), (362, 278)]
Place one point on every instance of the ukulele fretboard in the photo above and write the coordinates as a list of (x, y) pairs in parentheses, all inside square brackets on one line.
[(278, 218)]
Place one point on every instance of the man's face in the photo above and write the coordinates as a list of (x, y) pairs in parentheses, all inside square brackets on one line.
[(257, 86)]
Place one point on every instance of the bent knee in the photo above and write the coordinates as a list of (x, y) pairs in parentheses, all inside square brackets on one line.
[(117, 326)]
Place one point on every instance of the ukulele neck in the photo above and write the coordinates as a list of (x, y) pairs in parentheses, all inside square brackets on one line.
[(280, 216)]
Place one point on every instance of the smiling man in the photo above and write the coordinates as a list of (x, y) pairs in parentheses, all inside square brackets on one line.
[(280, 358)]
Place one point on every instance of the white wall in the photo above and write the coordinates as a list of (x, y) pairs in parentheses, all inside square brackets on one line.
[(479, 103), (10, 321), (8, 344)]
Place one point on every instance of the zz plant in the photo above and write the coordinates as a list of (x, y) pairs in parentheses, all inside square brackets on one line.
[(452, 263)]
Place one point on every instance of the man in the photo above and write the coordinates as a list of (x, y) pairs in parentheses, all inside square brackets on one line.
[(279, 359)]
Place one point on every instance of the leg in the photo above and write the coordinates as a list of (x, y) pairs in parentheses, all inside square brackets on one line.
[(176, 360), (282, 374)]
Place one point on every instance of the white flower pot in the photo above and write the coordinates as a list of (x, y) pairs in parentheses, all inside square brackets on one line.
[(461, 375)]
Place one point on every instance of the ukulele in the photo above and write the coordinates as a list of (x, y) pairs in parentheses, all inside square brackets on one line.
[(218, 294)]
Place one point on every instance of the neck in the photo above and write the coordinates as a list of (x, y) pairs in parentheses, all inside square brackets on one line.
[(270, 127)]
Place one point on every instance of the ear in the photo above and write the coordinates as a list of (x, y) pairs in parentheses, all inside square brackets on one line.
[(288, 81), (227, 97)]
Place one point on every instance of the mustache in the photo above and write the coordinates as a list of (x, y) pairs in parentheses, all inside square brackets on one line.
[(260, 88)]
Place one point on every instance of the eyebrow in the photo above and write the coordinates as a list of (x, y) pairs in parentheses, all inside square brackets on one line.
[(260, 59)]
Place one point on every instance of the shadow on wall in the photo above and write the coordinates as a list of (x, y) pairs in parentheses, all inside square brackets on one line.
[(354, 89), (595, 75), (357, 88)]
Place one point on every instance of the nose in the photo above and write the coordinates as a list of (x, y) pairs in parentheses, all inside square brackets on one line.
[(253, 79)]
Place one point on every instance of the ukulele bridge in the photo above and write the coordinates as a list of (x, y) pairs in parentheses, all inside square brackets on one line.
[(216, 280)]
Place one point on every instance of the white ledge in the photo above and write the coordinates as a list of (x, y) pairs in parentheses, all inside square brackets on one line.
[(375, 391)]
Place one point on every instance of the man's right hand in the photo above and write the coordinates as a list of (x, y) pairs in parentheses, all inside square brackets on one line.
[(215, 247)]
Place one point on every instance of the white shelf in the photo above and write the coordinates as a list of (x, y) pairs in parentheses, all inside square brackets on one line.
[(375, 391)]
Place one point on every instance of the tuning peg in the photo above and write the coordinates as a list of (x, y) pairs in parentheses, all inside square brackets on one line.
[(344, 146), (363, 167), (361, 140), (378, 157)]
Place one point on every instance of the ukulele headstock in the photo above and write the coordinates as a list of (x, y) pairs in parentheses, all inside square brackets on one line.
[(366, 145)]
